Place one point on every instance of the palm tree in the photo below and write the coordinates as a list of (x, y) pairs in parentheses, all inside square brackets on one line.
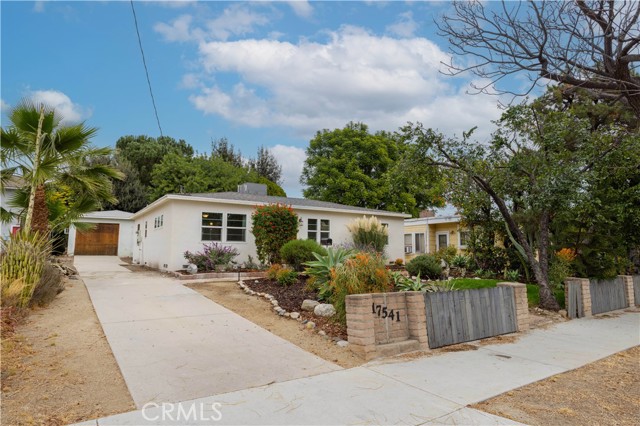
[(51, 157)]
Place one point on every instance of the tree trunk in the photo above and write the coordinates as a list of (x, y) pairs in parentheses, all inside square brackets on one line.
[(547, 299), (40, 220), (36, 166)]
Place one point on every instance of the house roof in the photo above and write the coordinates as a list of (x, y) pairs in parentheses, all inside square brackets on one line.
[(433, 220), (253, 199), (109, 214)]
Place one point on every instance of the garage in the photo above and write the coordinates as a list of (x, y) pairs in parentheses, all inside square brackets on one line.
[(111, 235), (102, 240)]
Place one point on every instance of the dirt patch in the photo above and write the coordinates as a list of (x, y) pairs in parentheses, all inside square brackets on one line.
[(606, 392), (289, 297), (57, 368), (259, 311)]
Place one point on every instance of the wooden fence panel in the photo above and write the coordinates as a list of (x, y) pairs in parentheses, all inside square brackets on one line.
[(466, 315), (575, 308), (607, 295)]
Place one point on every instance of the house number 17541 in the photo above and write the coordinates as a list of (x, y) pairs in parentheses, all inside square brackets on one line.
[(383, 312)]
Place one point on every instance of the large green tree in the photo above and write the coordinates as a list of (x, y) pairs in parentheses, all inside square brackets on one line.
[(49, 156), (144, 152), (266, 165), (539, 163), (178, 174), (354, 167)]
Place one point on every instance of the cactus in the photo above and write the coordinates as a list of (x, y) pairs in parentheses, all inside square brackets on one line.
[(23, 258)]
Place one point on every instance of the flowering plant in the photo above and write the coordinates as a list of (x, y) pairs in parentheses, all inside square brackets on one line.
[(273, 226), (212, 255)]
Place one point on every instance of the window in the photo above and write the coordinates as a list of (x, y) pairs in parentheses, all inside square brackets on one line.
[(463, 238), (158, 221), (236, 227), (324, 230), (145, 229), (408, 247), (325, 233), (442, 240), (419, 238), (211, 226)]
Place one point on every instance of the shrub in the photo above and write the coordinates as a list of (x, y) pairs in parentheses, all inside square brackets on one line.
[(416, 284), (23, 258), (272, 272), (512, 275), (273, 226), (363, 273), (321, 270), (399, 262), (212, 255), (286, 276), (49, 286), (447, 254), (297, 252), (425, 265), (368, 234), (250, 264), (560, 267), (460, 261)]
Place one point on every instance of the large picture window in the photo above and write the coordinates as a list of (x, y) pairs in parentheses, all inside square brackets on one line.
[(211, 226), (236, 227)]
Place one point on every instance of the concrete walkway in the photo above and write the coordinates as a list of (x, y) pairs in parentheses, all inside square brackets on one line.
[(173, 344), (428, 390)]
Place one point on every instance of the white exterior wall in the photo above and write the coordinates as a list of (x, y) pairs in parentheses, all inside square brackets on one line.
[(163, 248), (5, 230), (125, 237)]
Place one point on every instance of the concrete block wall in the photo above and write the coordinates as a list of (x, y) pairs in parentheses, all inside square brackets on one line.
[(521, 303), (627, 281)]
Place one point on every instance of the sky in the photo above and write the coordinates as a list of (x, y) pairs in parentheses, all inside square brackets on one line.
[(257, 73)]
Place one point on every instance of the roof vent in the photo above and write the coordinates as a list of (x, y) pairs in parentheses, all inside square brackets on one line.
[(252, 188)]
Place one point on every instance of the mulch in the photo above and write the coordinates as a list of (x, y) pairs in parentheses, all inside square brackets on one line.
[(291, 297)]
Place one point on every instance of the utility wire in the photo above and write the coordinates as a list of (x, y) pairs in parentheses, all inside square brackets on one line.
[(146, 70)]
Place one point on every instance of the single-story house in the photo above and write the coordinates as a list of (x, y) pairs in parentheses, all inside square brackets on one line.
[(112, 235), (430, 233), (8, 192), (175, 223)]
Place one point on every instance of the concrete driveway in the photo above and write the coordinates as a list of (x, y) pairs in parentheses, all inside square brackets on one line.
[(172, 344)]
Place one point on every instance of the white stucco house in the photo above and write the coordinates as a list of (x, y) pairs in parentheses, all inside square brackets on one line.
[(112, 235), (8, 192), (175, 223)]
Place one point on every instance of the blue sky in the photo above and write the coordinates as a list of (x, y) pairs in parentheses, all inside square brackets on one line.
[(258, 73)]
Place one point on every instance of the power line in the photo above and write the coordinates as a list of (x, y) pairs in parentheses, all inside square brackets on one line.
[(146, 71)]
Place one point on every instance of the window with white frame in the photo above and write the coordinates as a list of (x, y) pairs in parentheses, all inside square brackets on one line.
[(463, 239), (236, 227), (158, 221), (419, 243), (408, 243), (211, 226), (319, 230), (442, 240)]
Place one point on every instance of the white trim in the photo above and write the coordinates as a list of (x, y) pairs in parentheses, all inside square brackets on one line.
[(460, 246), (428, 248), (446, 233), (165, 198)]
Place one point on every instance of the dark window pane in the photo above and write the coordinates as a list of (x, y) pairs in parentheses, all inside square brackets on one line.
[(324, 236), (211, 234), (211, 219), (235, 234), (312, 236), (236, 220), (312, 225), (324, 225)]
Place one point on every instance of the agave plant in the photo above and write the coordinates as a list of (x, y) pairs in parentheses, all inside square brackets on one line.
[(321, 268)]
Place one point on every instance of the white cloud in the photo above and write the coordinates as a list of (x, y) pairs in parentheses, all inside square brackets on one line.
[(354, 75), (405, 26), (237, 19), (38, 6), (291, 159), (68, 111), (301, 8), (178, 30)]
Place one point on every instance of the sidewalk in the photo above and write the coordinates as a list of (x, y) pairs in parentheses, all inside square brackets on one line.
[(173, 344), (428, 390)]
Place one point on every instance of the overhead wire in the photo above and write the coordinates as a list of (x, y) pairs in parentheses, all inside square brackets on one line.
[(146, 70)]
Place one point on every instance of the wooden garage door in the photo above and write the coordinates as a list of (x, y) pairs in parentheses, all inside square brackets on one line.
[(103, 240)]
